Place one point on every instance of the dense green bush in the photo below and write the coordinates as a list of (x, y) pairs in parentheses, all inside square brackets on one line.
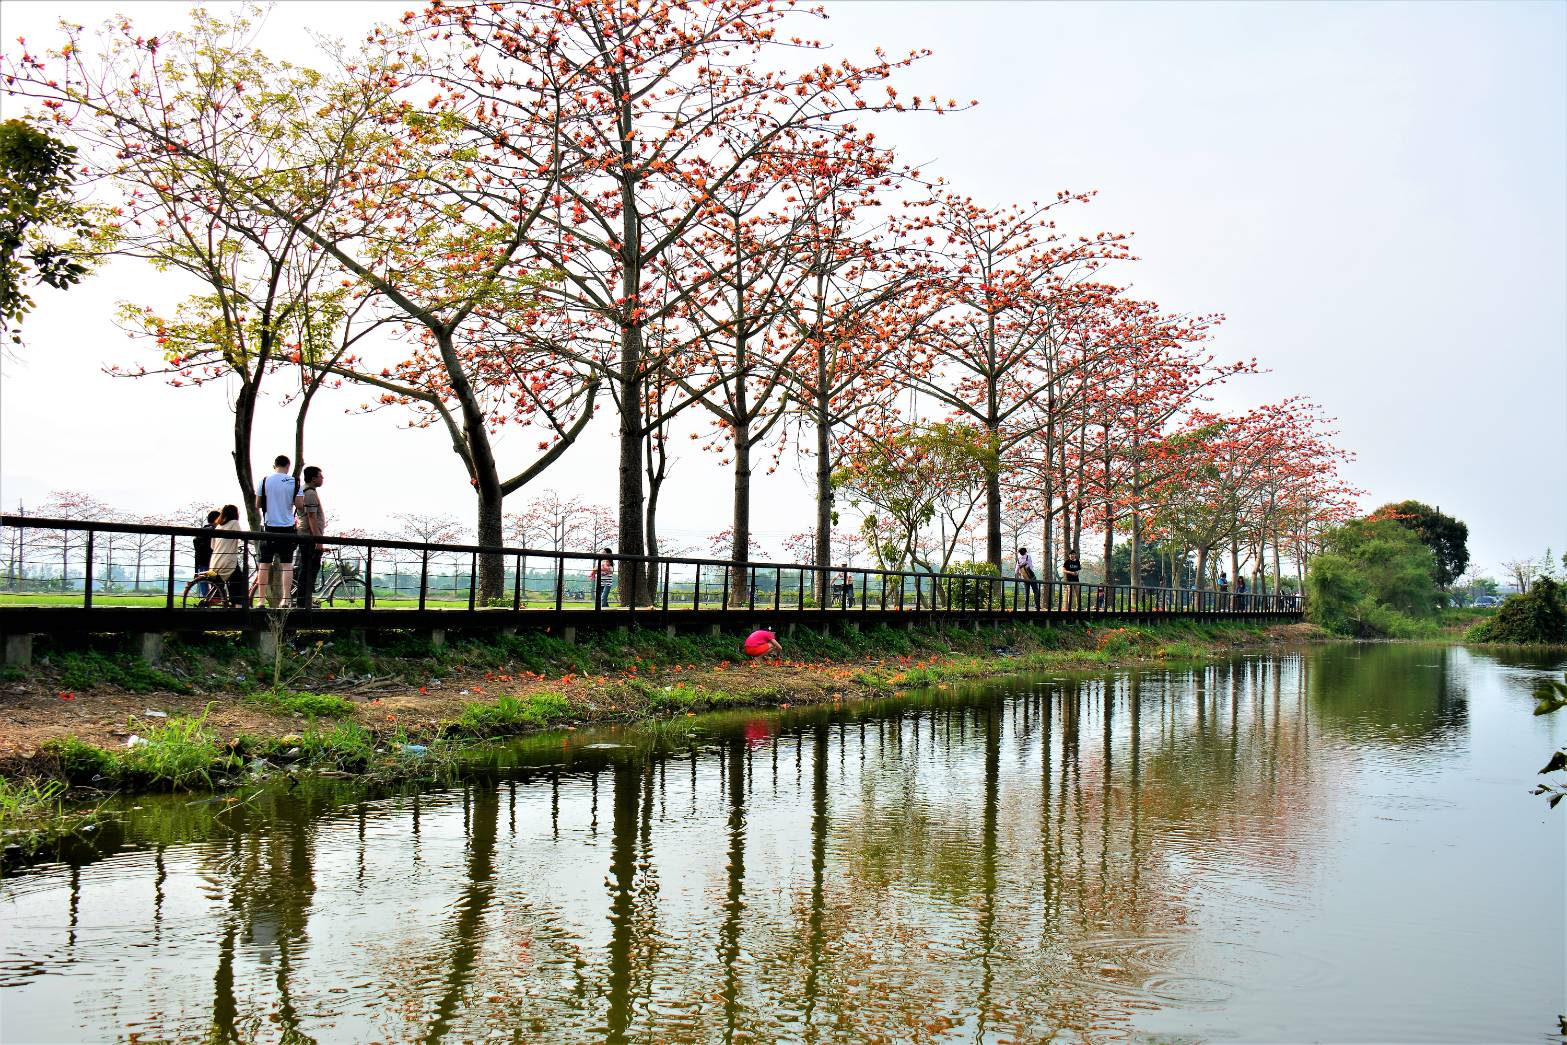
[(1536, 617), (967, 592), (1373, 579)]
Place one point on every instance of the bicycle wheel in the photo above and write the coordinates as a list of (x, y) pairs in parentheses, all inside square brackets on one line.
[(185, 602), (350, 590)]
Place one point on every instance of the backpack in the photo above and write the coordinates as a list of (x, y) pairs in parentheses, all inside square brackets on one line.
[(261, 492)]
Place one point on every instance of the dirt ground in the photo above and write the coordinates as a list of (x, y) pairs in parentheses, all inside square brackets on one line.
[(34, 711)]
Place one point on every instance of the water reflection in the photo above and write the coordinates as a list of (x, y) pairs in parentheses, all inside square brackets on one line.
[(1091, 857)]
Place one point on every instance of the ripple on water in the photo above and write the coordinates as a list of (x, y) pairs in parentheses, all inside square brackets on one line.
[(1171, 970)]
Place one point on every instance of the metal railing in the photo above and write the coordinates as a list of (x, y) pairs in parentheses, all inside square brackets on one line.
[(90, 564)]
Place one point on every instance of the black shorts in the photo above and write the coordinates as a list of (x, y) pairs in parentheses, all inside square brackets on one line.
[(277, 551)]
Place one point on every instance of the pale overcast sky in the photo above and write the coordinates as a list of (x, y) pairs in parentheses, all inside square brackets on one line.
[(1375, 195)]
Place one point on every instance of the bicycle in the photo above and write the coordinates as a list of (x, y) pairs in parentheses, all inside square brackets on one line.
[(341, 579), (338, 578), (215, 597)]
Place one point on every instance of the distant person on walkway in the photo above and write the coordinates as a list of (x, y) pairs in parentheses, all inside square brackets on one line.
[(203, 549), (275, 496), (1224, 591), (1240, 593), (226, 562), (603, 580), (1071, 570), (1025, 573), (312, 519), (763, 643), (843, 588)]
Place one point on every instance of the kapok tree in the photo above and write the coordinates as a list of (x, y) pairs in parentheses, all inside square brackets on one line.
[(659, 107), (431, 207), (853, 317), (160, 124), (1004, 275)]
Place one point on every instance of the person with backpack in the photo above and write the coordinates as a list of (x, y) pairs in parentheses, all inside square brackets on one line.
[(1025, 573), (275, 496)]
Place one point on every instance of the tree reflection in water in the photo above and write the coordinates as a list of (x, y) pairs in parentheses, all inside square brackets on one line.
[(993, 864)]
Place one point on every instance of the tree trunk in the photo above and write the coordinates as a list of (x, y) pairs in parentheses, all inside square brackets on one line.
[(655, 483), (823, 553), (244, 421), (740, 546), (629, 379)]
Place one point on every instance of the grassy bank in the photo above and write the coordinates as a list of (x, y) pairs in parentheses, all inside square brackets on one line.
[(212, 717)]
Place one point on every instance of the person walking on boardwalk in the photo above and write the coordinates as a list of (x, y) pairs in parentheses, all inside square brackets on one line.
[(763, 643), (312, 518), (225, 554), (1025, 574), (1240, 593), (603, 579), (275, 496), (1224, 591)]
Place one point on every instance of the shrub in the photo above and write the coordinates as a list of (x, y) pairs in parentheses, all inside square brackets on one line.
[(345, 744), (510, 714), (1373, 578), (310, 705), (89, 668), (79, 761), (1536, 617), (178, 753), (970, 593)]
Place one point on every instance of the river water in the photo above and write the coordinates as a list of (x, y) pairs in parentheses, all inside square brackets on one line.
[(1332, 846)]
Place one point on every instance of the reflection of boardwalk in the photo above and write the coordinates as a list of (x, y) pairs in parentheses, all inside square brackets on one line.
[(69, 583)]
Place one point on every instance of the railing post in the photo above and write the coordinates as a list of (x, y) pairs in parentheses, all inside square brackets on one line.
[(516, 586), (424, 575), (696, 590), (473, 580), (667, 567), (169, 601), (87, 575), (560, 582), (369, 576), (777, 588)]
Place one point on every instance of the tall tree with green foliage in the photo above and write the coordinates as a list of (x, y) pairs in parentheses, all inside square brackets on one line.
[(43, 229), (1447, 537), (1373, 578)]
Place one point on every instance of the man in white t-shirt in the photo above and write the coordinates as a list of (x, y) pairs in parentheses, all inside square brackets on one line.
[(275, 501)]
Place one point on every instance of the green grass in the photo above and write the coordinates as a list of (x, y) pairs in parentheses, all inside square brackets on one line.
[(178, 754), (307, 705), (509, 715), (79, 762)]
